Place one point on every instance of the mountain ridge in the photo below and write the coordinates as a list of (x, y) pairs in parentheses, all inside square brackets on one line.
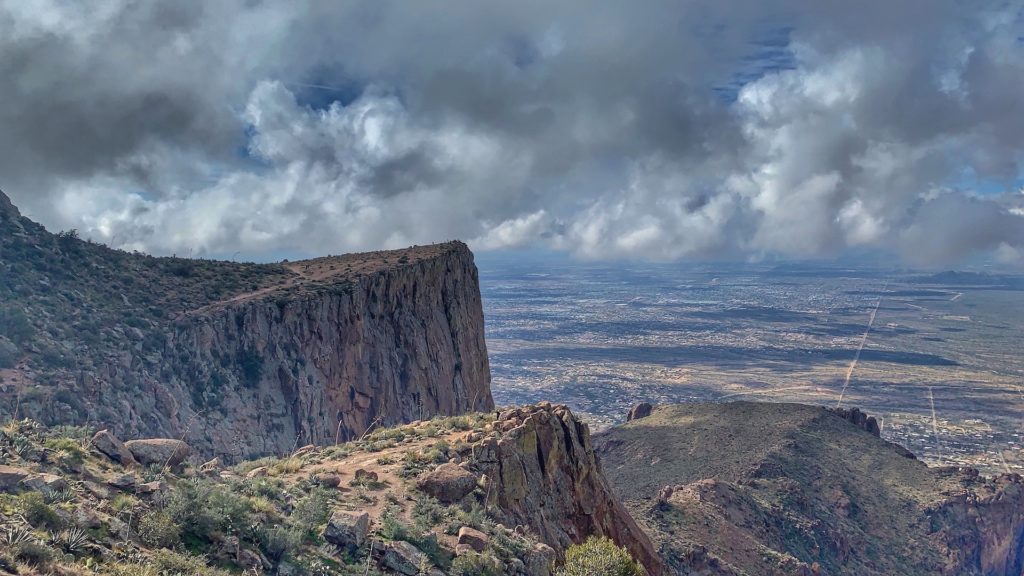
[(310, 351)]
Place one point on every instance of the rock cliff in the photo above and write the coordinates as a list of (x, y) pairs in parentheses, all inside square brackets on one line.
[(542, 473), (783, 489), (237, 359)]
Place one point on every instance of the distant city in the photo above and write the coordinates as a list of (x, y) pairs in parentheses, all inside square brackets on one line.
[(935, 357)]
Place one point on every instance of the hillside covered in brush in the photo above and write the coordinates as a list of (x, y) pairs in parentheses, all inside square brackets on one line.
[(750, 488)]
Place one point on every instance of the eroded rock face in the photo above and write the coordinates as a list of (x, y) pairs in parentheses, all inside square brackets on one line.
[(315, 362), (542, 473), (858, 419), (641, 410), (982, 528)]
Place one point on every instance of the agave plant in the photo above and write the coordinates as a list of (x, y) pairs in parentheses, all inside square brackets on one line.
[(14, 536), (58, 496), (71, 541)]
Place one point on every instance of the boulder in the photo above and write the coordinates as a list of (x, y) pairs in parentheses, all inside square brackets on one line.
[(124, 481), (363, 476), (473, 538), (151, 487), (84, 517), (259, 472), (112, 448), (449, 483), (347, 529), (159, 451), (404, 558), (46, 482), (211, 467), (463, 549), (328, 480), (540, 560), (641, 410), (11, 477)]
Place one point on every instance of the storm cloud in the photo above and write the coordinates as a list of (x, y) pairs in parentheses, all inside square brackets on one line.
[(655, 130)]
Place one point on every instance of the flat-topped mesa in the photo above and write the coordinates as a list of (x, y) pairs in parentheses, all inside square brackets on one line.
[(357, 341), (542, 473), (239, 359)]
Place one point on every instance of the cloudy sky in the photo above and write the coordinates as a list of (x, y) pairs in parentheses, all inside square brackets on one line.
[(651, 129)]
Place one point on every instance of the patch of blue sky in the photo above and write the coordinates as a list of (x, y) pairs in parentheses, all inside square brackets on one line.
[(768, 55), (970, 180)]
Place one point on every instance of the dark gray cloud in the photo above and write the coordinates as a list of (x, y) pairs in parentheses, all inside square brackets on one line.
[(649, 129)]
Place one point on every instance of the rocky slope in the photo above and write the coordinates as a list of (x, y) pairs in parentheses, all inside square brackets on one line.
[(473, 495), (237, 359), (749, 488)]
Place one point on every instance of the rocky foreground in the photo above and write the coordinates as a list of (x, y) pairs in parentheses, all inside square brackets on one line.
[(468, 495)]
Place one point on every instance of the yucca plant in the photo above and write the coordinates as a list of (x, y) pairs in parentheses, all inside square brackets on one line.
[(71, 541)]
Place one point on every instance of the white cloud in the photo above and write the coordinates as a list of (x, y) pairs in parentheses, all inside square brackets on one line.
[(193, 127)]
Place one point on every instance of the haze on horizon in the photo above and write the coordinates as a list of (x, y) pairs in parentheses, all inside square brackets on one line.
[(652, 130)]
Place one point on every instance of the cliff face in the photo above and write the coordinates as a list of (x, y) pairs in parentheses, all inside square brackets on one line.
[(748, 488), (282, 370), (981, 527), (542, 473), (237, 359)]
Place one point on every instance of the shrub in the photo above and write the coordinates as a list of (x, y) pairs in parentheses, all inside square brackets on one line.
[(67, 449), (37, 512), (171, 563), (312, 510), (123, 504), (201, 508), (473, 564), (158, 530), (279, 542), (599, 557), (72, 541)]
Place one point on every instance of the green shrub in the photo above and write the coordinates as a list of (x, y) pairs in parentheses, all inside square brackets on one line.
[(171, 563), (201, 508), (279, 542), (599, 557), (159, 530), (35, 553), (313, 510), (67, 449), (473, 564), (37, 512)]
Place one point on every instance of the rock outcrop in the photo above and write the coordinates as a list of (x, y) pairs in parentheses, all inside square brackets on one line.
[(113, 448), (982, 526), (8, 211), (783, 489), (859, 419), (241, 360), (641, 410), (401, 344), (542, 473)]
